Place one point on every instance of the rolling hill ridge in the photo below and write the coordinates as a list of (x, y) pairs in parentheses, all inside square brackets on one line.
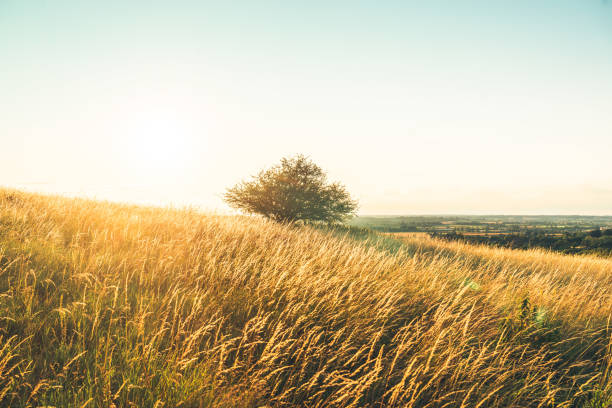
[(106, 304)]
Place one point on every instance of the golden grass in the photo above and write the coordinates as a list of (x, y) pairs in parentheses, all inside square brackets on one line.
[(112, 305)]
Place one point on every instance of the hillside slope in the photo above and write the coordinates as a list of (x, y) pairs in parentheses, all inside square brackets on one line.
[(113, 305)]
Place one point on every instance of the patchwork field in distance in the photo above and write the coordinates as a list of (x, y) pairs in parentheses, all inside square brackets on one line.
[(571, 234), (105, 304)]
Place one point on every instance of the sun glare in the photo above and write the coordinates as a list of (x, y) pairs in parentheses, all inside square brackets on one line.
[(154, 149)]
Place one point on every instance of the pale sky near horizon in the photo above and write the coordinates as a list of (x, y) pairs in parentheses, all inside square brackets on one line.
[(418, 107)]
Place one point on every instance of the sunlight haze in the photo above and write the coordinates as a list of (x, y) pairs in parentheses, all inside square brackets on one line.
[(418, 107)]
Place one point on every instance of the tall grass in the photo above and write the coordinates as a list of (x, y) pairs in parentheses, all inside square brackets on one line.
[(106, 305)]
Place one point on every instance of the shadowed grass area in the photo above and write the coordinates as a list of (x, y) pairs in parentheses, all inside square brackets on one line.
[(114, 305)]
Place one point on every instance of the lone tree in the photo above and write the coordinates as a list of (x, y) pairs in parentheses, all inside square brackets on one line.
[(294, 190)]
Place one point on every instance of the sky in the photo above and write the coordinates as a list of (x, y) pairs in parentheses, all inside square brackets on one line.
[(418, 107)]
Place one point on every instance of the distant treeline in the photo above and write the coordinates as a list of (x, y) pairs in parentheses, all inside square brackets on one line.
[(598, 241)]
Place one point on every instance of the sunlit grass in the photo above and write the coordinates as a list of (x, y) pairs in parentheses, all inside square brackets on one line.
[(114, 305)]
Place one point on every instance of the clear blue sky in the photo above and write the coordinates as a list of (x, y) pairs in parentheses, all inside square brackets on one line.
[(418, 107)]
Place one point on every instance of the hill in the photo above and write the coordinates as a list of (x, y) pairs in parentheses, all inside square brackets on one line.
[(104, 304)]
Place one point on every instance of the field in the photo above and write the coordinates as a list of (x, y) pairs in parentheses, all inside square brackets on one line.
[(485, 224), (109, 305), (571, 234)]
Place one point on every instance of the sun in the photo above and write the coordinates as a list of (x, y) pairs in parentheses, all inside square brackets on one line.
[(154, 148)]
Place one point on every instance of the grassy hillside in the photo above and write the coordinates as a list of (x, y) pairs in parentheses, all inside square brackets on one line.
[(107, 305)]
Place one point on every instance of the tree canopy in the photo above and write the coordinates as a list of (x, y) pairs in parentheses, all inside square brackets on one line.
[(294, 190)]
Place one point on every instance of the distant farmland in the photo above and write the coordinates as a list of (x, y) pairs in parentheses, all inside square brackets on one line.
[(568, 234)]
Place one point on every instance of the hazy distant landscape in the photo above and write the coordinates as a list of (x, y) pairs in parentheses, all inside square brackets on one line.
[(571, 234)]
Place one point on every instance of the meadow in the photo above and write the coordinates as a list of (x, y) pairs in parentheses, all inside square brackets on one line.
[(112, 305)]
